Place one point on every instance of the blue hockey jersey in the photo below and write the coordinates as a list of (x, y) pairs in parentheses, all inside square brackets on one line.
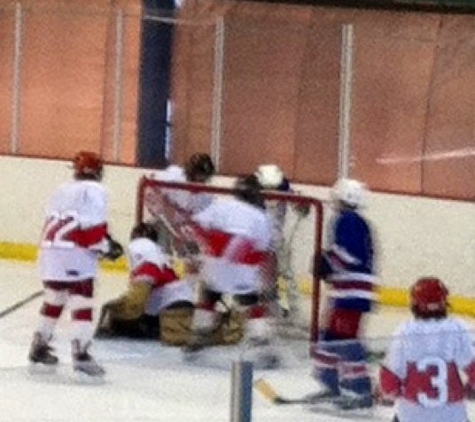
[(348, 265)]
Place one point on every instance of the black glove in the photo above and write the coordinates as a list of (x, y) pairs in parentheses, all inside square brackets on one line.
[(115, 249), (321, 267)]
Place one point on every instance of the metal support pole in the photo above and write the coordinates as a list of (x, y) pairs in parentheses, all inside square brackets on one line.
[(241, 391), (118, 83), (218, 93), (16, 82), (346, 84)]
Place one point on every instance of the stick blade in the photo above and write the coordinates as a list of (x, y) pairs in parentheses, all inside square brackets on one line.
[(269, 393), (266, 390)]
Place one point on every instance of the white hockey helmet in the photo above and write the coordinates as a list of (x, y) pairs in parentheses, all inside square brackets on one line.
[(270, 176), (349, 191)]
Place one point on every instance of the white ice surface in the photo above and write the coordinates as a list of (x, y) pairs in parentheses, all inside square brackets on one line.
[(145, 381)]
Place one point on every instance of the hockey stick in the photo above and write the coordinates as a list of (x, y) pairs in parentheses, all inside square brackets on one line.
[(21, 303), (269, 393)]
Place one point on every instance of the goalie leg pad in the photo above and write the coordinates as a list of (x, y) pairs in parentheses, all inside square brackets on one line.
[(124, 311), (175, 326), (132, 303), (229, 328)]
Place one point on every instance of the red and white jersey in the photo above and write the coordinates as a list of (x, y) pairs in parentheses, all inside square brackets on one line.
[(423, 367), (74, 231), (148, 264), (235, 238)]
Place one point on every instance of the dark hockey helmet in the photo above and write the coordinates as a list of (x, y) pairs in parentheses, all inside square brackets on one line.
[(144, 230), (199, 167), (248, 189), (429, 298), (87, 165)]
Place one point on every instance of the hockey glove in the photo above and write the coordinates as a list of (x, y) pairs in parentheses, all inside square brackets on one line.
[(115, 249), (321, 267)]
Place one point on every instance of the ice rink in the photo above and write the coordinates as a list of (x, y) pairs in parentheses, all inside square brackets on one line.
[(145, 381)]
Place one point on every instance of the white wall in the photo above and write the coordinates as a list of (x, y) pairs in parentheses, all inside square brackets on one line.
[(417, 236)]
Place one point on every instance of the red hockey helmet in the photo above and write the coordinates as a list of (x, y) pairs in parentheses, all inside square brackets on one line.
[(87, 165), (429, 298)]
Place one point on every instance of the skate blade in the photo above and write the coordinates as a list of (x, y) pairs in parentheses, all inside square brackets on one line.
[(79, 377), (42, 369), (331, 409)]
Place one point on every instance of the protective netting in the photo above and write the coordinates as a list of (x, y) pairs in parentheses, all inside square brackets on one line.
[(288, 284)]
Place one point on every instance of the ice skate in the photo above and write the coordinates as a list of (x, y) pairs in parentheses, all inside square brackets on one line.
[(355, 402), (84, 363), (41, 352), (322, 396)]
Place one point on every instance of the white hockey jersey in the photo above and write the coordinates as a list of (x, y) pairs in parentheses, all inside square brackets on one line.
[(74, 231), (423, 367), (235, 238), (174, 206), (148, 264)]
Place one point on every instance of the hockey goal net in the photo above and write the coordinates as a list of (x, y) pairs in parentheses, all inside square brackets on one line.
[(298, 233)]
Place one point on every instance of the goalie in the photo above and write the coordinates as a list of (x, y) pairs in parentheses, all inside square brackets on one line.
[(157, 303)]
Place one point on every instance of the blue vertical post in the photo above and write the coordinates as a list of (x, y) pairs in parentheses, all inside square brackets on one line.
[(154, 82), (241, 391)]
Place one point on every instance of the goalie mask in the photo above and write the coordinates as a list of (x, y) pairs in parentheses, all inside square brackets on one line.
[(429, 298), (144, 230), (350, 192), (248, 189), (199, 168), (87, 166)]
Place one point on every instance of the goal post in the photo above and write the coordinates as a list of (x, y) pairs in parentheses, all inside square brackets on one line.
[(298, 248)]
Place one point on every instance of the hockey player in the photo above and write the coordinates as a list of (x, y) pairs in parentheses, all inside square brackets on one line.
[(426, 359), (74, 237), (172, 208), (157, 304), (236, 234), (347, 268), (279, 264)]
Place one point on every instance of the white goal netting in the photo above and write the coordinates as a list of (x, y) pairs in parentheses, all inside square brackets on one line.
[(298, 238)]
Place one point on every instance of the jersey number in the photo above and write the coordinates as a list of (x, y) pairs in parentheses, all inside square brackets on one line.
[(439, 381), (57, 229)]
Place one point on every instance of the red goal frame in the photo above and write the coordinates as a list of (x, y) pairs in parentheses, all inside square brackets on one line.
[(297, 199)]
